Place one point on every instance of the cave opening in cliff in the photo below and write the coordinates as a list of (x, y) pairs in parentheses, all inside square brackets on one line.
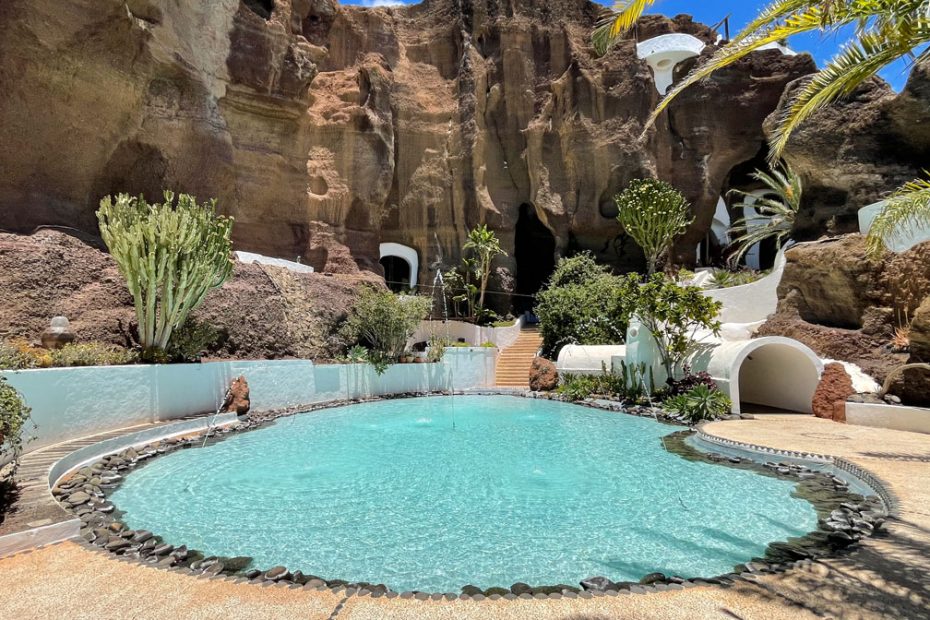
[(262, 8), (534, 252), (396, 273), (762, 255)]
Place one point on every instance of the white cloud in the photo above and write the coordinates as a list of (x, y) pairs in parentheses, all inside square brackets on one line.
[(377, 3)]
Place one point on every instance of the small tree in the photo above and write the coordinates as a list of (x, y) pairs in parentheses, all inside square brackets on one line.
[(653, 213), (485, 246), (13, 417), (383, 322), (170, 255), (674, 314), (777, 210)]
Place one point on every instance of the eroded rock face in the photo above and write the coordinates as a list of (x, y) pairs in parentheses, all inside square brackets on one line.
[(853, 152), (845, 306), (326, 129)]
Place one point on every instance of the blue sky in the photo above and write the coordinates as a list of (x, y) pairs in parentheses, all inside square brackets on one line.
[(740, 11)]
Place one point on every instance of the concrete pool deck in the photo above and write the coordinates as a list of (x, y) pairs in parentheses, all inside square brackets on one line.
[(887, 576)]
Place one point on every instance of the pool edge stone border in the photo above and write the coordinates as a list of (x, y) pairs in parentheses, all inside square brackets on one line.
[(751, 571)]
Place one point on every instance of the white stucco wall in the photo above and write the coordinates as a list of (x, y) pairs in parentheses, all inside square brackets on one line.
[(406, 253), (473, 334), (753, 302), (664, 52), (76, 402), (251, 257), (588, 360), (896, 417)]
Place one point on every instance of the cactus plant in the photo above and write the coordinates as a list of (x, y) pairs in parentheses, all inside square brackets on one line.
[(171, 256)]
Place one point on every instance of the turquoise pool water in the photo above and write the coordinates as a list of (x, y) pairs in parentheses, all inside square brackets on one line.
[(520, 490)]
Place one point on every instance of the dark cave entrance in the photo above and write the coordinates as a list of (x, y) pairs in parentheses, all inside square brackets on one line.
[(534, 252), (396, 273)]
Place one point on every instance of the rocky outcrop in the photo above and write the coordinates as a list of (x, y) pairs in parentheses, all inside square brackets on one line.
[(830, 396), (544, 376), (327, 129), (845, 306), (853, 152), (917, 382), (237, 397), (51, 273)]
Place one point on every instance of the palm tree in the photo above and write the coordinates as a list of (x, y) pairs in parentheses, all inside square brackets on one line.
[(884, 31), (776, 210), (483, 243)]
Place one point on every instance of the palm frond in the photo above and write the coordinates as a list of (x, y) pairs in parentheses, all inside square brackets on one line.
[(908, 208), (776, 210), (849, 69), (617, 23), (797, 23)]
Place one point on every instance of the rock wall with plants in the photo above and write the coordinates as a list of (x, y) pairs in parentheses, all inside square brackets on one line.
[(326, 129)]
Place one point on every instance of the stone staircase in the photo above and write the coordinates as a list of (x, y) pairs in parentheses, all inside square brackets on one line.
[(513, 364)]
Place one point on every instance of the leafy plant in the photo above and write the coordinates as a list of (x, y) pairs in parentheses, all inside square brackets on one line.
[(437, 348), (699, 404), (357, 354), (484, 246), (14, 414), (577, 387), (488, 345), (689, 381), (674, 314), (171, 256), (583, 304), (384, 322), (777, 210), (724, 278), (632, 383), (653, 213), (18, 354)]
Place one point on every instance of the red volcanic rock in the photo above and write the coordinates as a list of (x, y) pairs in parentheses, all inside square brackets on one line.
[(830, 396), (543, 375), (237, 399)]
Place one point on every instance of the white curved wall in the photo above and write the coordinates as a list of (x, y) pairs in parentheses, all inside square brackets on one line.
[(406, 253), (471, 333), (753, 302), (662, 53), (772, 371), (909, 236)]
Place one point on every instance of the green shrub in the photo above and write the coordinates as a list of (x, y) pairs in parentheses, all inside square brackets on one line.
[(699, 404), (583, 304), (13, 417), (92, 354), (19, 355), (170, 255), (383, 322), (724, 278), (189, 342)]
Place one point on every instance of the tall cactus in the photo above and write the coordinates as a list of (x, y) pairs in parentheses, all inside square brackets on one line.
[(171, 256)]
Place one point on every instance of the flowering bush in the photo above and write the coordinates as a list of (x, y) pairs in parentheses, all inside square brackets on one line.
[(653, 213)]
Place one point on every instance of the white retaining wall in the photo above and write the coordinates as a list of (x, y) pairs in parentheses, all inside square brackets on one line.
[(753, 302), (895, 417), (68, 403), (472, 334)]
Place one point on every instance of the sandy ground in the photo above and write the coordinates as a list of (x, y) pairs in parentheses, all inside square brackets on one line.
[(886, 577)]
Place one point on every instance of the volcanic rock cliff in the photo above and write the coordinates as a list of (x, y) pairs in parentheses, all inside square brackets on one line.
[(326, 129)]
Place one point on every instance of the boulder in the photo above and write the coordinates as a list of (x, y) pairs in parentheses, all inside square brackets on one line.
[(916, 387), (544, 376), (830, 396), (237, 398)]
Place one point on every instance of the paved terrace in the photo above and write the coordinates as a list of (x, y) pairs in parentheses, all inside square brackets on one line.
[(885, 577)]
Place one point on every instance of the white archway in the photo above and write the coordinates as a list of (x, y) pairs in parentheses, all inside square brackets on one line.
[(405, 253), (664, 52)]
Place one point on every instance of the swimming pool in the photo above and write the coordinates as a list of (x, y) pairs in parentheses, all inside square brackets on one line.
[(435, 493)]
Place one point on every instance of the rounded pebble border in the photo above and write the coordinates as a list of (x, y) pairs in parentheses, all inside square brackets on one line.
[(83, 492)]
